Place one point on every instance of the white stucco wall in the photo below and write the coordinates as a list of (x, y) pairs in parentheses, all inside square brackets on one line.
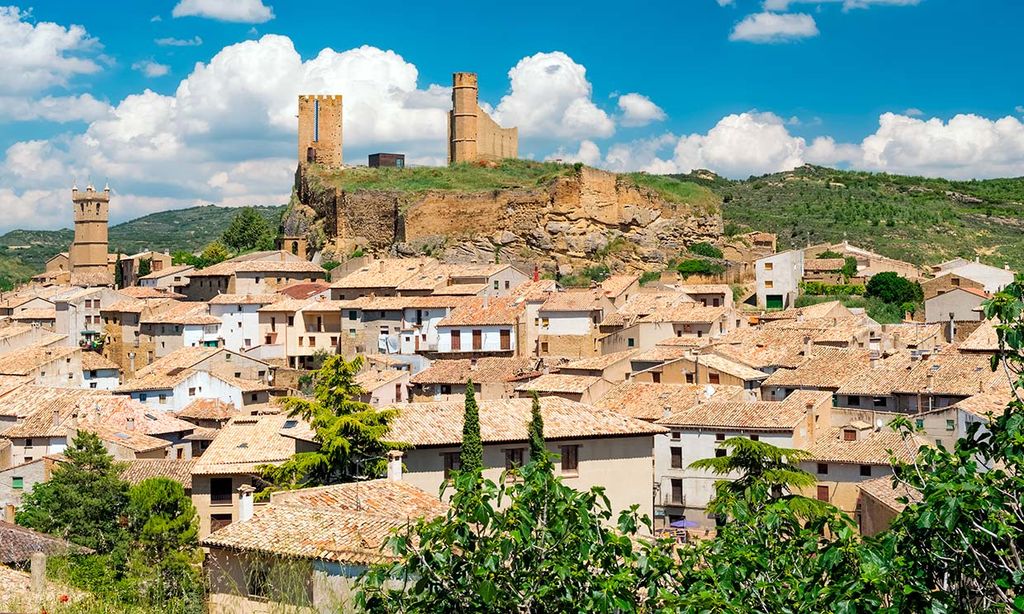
[(238, 326)]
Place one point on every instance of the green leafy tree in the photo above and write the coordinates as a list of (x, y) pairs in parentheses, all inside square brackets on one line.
[(83, 500), (471, 455), (165, 553), (213, 253), (351, 434), (705, 249), (536, 430), (246, 230), (527, 545), (695, 266), (891, 288), (849, 267), (145, 267)]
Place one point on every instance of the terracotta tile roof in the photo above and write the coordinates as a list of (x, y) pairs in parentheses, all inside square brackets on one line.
[(373, 379), (985, 404), (35, 314), (491, 312), (724, 289), (688, 313), (983, 339), (881, 379), (533, 291), (617, 284), (882, 490), (228, 268), (26, 400), (387, 273), (169, 271), (827, 368), (871, 446), (347, 523), (598, 363), (244, 299), (181, 313), (824, 265), (208, 409), (11, 382), (133, 440), (179, 359), (27, 359), (398, 303), (246, 442), (486, 370), (756, 415), (94, 361), (285, 305), (460, 290), (202, 434), (662, 354), (128, 305), (573, 301), (811, 312), (13, 330), (122, 413), (304, 289), (653, 401), (317, 305), (440, 423), (17, 544), (180, 471), (166, 380), (913, 334), (643, 304), (552, 383), (145, 292), (952, 373), (728, 366), (12, 301), (226, 375)]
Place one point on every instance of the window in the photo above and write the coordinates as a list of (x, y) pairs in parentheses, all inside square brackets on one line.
[(446, 389), (352, 314), (656, 377), (720, 452), (191, 392), (513, 457), (478, 339), (451, 463), (714, 378), (544, 347), (506, 339), (456, 340), (878, 401), (822, 493), (17, 483), (719, 436), (495, 284), (919, 423), (221, 490), (689, 378), (254, 397), (755, 438), (92, 384), (180, 453), (849, 435), (853, 400), (508, 284), (631, 342), (570, 459), (769, 284), (677, 436), (950, 425), (545, 322), (143, 397), (677, 458), (768, 266), (822, 468), (677, 491), (219, 521), (163, 398), (865, 471), (257, 580), (291, 320)]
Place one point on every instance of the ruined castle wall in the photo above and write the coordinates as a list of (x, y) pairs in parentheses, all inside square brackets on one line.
[(320, 135)]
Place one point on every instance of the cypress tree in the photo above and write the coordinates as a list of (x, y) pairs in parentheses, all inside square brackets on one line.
[(471, 456), (538, 452)]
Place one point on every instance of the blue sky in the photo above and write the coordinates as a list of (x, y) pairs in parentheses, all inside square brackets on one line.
[(185, 102)]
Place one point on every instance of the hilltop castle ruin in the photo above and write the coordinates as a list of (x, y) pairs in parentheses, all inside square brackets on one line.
[(472, 135), (320, 135)]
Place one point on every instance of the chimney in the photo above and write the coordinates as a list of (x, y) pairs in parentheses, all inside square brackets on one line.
[(807, 347), (930, 381), (9, 513), (395, 466), (800, 315), (56, 417), (874, 360), (487, 300), (245, 502), (131, 423)]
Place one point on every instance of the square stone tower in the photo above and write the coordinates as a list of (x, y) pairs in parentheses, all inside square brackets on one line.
[(472, 134), (320, 130), (87, 257)]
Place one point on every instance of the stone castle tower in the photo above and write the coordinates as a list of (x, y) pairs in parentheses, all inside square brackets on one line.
[(87, 257), (320, 130), (472, 134)]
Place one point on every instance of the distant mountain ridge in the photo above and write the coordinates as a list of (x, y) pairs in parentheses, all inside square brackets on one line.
[(24, 253), (917, 219)]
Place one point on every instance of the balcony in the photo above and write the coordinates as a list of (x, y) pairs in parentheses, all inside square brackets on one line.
[(667, 500)]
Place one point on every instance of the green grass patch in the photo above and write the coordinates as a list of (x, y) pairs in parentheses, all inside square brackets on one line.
[(508, 174), (675, 191)]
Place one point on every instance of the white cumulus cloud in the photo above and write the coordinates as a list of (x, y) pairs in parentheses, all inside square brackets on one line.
[(60, 109), (771, 27), (42, 55), (151, 68), (240, 11), (783, 5), (551, 97), (639, 110), (195, 41), (588, 153)]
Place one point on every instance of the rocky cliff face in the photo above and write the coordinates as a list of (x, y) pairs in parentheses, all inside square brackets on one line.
[(589, 216)]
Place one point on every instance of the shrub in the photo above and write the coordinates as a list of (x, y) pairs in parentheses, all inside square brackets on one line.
[(695, 266), (649, 276), (705, 249)]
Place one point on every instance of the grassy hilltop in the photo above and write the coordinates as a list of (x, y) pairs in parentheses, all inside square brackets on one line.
[(912, 218)]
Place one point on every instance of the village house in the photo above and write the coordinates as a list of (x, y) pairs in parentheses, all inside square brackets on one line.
[(231, 461), (15, 336), (124, 417), (956, 305), (19, 480), (131, 267), (122, 332), (39, 318), (77, 313), (880, 503), (179, 325), (580, 388), (297, 329), (208, 416), (385, 387), (960, 273), (36, 419), (463, 280), (869, 263), (12, 303), (378, 278), (99, 373), (172, 279), (612, 367), (945, 379), (842, 457), (698, 367), (178, 470), (255, 273), (568, 323), (490, 327), (618, 288), (493, 378), (825, 369), (592, 446), (698, 429), (778, 279), (708, 295), (239, 318), (45, 365), (872, 388), (945, 425), (320, 539)]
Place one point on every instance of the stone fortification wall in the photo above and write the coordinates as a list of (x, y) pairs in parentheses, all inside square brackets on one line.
[(587, 216)]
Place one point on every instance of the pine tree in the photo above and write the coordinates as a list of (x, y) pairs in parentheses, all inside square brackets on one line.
[(471, 458), (83, 499), (165, 554), (245, 230), (538, 452)]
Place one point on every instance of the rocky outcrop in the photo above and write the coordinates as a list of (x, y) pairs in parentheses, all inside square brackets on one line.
[(587, 216)]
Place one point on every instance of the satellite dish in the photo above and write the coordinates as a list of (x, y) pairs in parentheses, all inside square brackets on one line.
[(709, 391)]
